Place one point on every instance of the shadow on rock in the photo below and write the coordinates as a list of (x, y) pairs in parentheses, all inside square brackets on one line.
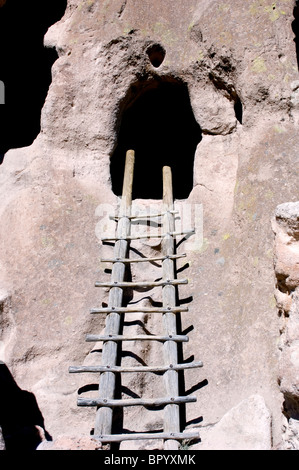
[(20, 418)]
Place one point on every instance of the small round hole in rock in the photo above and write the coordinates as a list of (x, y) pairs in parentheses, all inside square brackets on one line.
[(156, 54)]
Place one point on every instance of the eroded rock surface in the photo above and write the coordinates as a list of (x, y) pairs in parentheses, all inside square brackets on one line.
[(238, 61), (286, 228), (247, 426)]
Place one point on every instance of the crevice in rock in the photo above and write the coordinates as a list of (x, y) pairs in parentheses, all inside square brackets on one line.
[(122, 8), (295, 28), (157, 121), (238, 107), (228, 90), (25, 67)]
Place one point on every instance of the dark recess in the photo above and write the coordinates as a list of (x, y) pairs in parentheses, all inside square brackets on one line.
[(19, 415), (291, 407), (238, 107), (295, 28), (156, 54), (158, 123), (25, 67)]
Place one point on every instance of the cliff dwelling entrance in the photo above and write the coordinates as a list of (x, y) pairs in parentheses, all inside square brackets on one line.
[(158, 123), (25, 67)]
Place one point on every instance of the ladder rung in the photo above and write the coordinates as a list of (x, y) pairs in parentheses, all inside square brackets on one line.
[(141, 260), (112, 403), (149, 235), (177, 338), (139, 310), (166, 282), (143, 216), (154, 435), (122, 369)]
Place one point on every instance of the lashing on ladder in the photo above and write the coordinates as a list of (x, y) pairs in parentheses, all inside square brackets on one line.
[(106, 402)]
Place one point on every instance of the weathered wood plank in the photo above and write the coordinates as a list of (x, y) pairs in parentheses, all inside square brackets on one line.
[(141, 260), (149, 235), (162, 283), (178, 338), (144, 216), (189, 435), (123, 369), (113, 403), (139, 309)]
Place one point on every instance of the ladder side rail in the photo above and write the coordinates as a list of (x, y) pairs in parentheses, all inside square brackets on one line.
[(170, 349), (104, 415)]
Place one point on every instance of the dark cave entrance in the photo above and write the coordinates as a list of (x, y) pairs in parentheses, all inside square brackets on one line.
[(25, 67), (158, 123)]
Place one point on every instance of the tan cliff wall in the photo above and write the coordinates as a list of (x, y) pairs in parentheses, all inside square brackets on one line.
[(238, 62)]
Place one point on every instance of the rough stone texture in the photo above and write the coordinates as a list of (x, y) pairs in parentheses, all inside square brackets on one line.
[(70, 443), (53, 193), (286, 228), (246, 426)]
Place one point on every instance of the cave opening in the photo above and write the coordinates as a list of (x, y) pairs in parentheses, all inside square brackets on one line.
[(25, 67), (157, 122)]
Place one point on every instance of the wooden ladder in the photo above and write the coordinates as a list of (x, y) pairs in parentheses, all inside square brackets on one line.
[(106, 402)]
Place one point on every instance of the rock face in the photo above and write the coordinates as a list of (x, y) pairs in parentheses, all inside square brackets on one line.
[(286, 228), (246, 426), (237, 60), (70, 443)]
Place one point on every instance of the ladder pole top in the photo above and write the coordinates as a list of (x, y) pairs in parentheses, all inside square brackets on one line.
[(167, 187), (128, 183)]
